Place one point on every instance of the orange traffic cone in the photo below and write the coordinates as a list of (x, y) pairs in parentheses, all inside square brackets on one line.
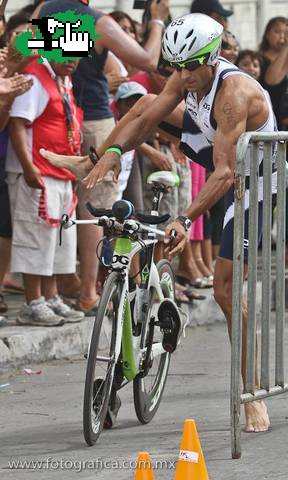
[(191, 463), (144, 469)]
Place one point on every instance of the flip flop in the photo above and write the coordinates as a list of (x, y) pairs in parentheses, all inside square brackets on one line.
[(200, 282), (10, 287), (192, 295), (181, 297)]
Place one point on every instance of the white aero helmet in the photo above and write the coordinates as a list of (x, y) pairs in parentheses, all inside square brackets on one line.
[(193, 37)]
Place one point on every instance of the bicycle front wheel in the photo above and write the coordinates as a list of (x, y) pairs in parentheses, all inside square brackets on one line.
[(101, 360), (148, 389)]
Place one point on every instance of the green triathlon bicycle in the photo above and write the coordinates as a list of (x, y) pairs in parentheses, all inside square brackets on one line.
[(128, 341)]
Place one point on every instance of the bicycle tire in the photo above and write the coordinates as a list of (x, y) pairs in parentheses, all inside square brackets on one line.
[(147, 403), (97, 389)]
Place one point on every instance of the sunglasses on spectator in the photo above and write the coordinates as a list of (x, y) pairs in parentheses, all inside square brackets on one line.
[(192, 65)]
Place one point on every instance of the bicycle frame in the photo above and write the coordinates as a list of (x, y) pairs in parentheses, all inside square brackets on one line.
[(123, 254)]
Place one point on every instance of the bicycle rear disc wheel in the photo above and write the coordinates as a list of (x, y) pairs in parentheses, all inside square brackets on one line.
[(148, 389), (101, 360)]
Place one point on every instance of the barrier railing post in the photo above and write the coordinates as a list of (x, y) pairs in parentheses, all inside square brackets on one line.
[(266, 267), (252, 273), (280, 264), (236, 327)]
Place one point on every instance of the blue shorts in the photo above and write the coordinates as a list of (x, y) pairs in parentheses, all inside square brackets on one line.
[(226, 246)]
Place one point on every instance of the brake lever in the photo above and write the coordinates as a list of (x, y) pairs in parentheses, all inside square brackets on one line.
[(65, 223)]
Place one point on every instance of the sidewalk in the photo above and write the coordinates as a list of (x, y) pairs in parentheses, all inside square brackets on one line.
[(23, 345)]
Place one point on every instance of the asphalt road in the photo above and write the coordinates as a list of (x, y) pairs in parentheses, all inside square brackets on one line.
[(41, 420)]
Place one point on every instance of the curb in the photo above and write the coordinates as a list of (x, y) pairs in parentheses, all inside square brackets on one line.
[(22, 346), (39, 344)]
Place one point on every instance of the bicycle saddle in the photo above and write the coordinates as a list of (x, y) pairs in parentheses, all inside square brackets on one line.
[(169, 179)]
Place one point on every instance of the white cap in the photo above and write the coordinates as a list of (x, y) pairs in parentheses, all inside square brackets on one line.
[(128, 89)]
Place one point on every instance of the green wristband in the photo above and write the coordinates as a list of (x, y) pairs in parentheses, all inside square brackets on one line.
[(114, 150)]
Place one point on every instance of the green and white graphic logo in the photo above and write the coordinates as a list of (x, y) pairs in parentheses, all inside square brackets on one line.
[(61, 37)]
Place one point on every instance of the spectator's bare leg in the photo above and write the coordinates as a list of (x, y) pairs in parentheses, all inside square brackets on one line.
[(5, 249), (197, 254), (88, 237), (187, 266), (206, 247), (49, 286), (32, 287), (257, 419), (68, 284)]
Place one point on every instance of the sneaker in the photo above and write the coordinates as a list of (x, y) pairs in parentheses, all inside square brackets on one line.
[(3, 304), (170, 323), (60, 308), (3, 321), (39, 313)]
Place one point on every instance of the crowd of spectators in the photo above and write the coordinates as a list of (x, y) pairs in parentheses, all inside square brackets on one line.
[(67, 108)]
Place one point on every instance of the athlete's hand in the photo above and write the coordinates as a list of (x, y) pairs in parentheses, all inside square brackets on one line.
[(175, 245), (109, 161)]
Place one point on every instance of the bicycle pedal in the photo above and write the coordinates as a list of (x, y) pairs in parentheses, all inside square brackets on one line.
[(166, 325), (170, 323)]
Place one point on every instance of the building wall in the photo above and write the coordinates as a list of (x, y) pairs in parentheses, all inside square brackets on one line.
[(248, 21)]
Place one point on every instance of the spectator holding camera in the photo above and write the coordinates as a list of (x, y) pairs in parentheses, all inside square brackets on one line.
[(274, 77), (212, 8)]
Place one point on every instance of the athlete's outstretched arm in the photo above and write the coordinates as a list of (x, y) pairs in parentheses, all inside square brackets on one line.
[(82, 165), (136, 131)]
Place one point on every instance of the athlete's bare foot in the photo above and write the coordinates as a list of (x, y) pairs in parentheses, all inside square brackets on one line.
[(257, 419), (80, 166)]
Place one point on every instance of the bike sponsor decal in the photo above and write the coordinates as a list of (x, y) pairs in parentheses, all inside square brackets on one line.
[(95, 426), (166, 281), (145, 274), (123, 260)]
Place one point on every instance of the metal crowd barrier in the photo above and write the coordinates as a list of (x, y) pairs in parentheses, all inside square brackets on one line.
[(253, 141)]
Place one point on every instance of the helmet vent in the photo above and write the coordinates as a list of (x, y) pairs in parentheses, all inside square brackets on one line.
[(169, 49), (184, 46), (192, 43), (175, 36), (190, 33)]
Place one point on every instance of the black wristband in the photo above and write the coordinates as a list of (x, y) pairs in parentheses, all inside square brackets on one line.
[(93, 155)]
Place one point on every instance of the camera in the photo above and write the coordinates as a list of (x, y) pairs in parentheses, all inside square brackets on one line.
[(140, 4)]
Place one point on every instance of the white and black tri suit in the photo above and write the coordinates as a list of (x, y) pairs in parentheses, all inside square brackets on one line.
[(198, 134)]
